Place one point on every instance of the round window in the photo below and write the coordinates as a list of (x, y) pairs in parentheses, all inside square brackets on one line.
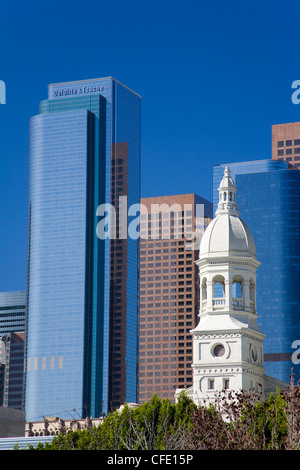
[(219, 350), (254, 353)]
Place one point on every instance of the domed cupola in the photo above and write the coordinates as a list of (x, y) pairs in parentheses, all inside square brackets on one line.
[(227, 233), (228, 343)]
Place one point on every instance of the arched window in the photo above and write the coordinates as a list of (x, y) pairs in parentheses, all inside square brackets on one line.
[(237, 292), (219, 287)]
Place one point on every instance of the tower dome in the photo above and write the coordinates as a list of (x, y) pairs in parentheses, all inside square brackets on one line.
[(227, 234), (227, 342)]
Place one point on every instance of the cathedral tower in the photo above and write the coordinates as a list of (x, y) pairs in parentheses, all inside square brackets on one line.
[(228, 344)]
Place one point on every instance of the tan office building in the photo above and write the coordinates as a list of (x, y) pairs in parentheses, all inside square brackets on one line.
[(286, 142), (171, 229)]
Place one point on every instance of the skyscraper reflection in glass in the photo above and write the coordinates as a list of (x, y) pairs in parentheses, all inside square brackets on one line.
[(268, 196), (82, 289)]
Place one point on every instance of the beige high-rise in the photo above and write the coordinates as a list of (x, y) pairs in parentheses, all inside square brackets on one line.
[(169, 291)]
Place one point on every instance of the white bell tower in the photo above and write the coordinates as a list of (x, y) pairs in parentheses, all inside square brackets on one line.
[(228, 344)]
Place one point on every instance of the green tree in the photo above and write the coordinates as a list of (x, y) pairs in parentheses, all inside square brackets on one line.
[(154, 425), (233, 421)]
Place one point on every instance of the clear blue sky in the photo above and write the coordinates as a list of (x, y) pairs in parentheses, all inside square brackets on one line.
[(213, 76)]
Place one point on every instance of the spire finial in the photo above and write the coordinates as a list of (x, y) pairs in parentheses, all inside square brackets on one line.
[(227, 190)]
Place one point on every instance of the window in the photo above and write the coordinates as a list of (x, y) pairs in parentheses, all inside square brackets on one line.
[(289, 152), (219, 350), (219, 288), (237, 289), (226, 384), (280, 153), (297, 142), (297, 150), (288, 143), (211, 384), (280, 143)]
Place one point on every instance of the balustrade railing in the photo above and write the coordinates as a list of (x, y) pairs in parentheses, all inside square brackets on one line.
[(238, 302), (218, 302)]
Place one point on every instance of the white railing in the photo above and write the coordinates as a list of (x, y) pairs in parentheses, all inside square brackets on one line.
[(238, 302), (218, 302)]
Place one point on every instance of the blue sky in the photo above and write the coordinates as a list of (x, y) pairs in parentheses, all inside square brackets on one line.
[(213, 76)]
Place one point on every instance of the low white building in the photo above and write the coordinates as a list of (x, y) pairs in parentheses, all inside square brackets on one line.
[(227, 342)]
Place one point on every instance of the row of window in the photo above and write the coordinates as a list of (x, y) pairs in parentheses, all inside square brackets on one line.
[(288, 143), (166, 223), (166, 215), (167, 234), (35, 363), (165, 278), (280, 152), (167, 261), (158, 244), (15, 307), (164, 381), (211, 384), (164, 304), (146, 397)]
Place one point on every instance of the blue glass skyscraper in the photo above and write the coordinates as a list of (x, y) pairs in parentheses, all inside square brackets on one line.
[(85, 150), (268, 196)]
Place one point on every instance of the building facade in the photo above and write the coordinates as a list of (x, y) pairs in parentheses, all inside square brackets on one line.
[(12, 334), (82, 278), (268, 196), (12, 312), (170, 232), (12, 357), (286, 142)]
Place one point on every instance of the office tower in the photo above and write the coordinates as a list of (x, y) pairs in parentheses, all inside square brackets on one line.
[(12, 357), (2, 372), (286, 142), (12, 312), (169, 290), (268, 196), (12, 323), (82, 277)]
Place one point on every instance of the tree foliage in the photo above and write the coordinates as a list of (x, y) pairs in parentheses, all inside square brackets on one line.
[(233, 421), (154, 425)]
